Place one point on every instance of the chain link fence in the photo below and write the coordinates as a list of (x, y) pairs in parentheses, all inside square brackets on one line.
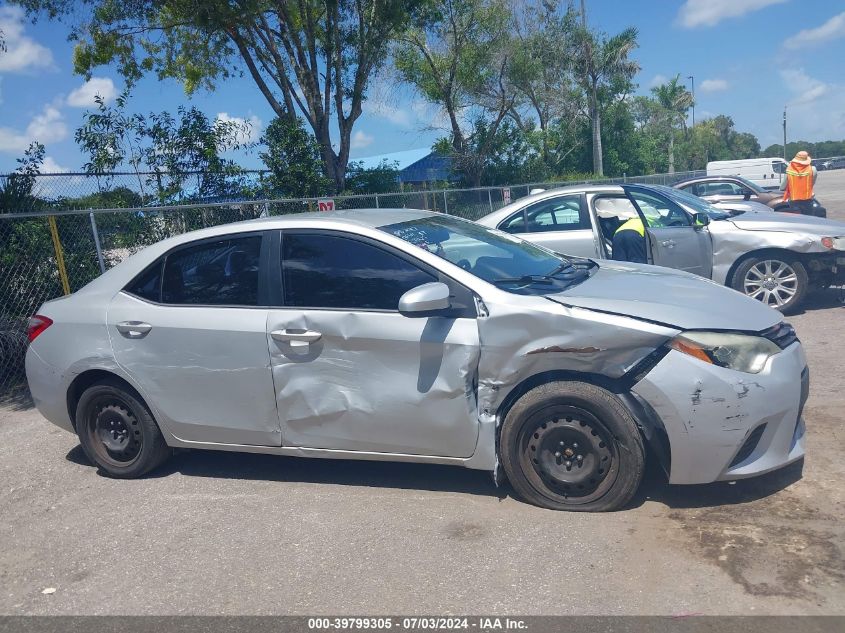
[(55, 251)]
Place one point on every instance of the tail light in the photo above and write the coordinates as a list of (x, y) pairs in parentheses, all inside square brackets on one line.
[(37, 324)]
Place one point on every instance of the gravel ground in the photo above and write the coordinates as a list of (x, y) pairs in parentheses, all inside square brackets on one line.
[(250, 534)]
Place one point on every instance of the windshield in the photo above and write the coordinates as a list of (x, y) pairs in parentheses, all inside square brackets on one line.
[(754, 187), (507, 261), (696, 204)]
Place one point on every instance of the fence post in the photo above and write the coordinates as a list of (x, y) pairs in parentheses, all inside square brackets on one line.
[(490, 199), (445, 203), (97, 242), (60, 258), (377, 206)]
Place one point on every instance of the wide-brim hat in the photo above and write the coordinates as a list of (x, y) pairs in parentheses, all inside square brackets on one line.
[(802, 158)]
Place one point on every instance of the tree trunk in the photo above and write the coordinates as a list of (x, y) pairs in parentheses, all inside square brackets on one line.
[(595, 115), (671, 151)]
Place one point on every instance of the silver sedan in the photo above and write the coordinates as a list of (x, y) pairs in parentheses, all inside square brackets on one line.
[(774, 258), (411, 336)]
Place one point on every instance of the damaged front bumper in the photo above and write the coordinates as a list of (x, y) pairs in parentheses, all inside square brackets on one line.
[(722, 424)]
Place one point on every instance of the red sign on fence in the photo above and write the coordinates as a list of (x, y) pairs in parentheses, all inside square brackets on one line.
[(325, 204)]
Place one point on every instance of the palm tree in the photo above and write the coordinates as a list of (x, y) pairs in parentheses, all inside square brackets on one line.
[(674, 100), (601, 67)]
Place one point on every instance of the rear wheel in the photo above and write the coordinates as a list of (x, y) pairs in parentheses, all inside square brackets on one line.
[(777, 281), (117, 431), (572, 446)]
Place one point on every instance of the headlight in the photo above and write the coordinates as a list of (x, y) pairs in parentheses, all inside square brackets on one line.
[(834, 243), (741, 352)]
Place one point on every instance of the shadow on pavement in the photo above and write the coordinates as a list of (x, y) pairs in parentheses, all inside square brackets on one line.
[(655, 488), (17, 398), (436, 478), (823, 300)]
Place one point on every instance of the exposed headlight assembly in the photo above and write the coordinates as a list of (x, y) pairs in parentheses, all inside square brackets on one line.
[(741, 352), (834, 243)]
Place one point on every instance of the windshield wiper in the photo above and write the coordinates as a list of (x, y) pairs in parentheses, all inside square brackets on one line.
[(526, 279)]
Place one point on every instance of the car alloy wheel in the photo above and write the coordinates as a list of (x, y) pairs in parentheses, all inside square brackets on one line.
[(772, 282)]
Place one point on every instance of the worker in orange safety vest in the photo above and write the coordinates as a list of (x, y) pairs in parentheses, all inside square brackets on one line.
[(800, 178)]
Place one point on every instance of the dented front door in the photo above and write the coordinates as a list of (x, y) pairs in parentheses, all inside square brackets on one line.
[(350, 372)]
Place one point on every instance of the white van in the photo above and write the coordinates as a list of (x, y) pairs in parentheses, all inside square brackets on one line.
[(768, 173)]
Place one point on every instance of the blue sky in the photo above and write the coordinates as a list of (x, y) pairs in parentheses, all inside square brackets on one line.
[(749, 59)]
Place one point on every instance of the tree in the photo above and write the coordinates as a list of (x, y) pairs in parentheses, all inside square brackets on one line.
[(17, 193), (603, 70), (540, 71), (675, 100), (174, 157), (293, 158), (379, 179), (455, 53), (311, 56)]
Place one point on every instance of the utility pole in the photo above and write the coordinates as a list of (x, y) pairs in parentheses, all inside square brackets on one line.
[(784, 132), (692, 79)]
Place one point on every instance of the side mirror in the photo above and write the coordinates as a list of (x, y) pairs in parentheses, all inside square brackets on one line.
[(747, 195), (431, 299), (700, 219)]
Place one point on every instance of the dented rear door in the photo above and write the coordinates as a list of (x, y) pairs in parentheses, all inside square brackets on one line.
[(350, 372)]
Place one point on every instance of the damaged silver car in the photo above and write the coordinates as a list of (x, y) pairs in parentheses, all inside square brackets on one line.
[(774, 258), (412, 336)]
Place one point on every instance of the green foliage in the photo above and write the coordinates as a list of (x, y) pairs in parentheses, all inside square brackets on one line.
[(380, 179), (174, 158), (293, 158), (822, 149), (17, 191)]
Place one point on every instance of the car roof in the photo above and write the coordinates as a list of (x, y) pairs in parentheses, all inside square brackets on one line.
[(372, 218), (687, 181)]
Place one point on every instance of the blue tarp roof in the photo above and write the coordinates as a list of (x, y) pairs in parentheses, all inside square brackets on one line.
[(414, 165), (400, 159)]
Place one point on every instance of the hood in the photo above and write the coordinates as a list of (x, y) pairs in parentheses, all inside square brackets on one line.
[(790, 222), (667, 296)]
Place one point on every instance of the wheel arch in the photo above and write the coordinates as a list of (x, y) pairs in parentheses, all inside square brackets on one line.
[(91, 377), (762, 252), (650, 425)]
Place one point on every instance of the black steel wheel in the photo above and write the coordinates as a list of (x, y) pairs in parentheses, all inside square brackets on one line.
[(572, 446), (118, 432)]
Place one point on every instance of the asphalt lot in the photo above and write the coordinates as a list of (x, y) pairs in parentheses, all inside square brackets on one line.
[(219, 533)]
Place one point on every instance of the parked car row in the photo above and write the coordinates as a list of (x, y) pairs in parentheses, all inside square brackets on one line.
[(774, 258), (737, 194), (412, 336)]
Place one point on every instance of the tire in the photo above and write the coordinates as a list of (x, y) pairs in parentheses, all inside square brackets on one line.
[(118, 432), (550, 427), (776, 280)]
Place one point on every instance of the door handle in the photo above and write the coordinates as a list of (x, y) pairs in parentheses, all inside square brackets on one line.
[(668, 243), (297, 338), (134, 329)]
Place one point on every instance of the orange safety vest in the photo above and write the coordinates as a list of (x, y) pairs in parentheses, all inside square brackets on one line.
[(799, 182)]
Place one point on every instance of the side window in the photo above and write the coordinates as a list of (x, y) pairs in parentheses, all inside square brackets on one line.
[(514, 224), (222, 272), (660, 212), (556, 214), (148, 284), (327, 271)]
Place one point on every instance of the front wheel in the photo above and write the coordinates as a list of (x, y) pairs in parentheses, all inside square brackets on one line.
[(572, 446), (777, 281), (117, 431)]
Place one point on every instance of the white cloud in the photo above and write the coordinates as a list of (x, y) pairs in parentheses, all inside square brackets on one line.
[(50, 166), (394, 114), (815, 109), (657, 80), (806, 89), (46, 127), (361, 140), (713, 85), (830, 30), (248, 129), (23, 54), (83, 97), (695, 13)]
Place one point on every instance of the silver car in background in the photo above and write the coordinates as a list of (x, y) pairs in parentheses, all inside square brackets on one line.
[(412, 336), (774, 258)]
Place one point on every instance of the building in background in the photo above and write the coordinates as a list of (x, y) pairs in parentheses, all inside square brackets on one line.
[(417, 168)]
